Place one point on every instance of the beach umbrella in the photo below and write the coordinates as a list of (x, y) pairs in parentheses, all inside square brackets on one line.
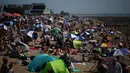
[(78, 38), (46, 26), (0, 14), (74, 32), (111, 32), (105, 45), (55, 34), (88, 30), (91, 30), (118, 32), (39, 61), (2, 26), (39, 26), (71, 36), (93, 41), (24, 31), (84, 34), (119, 52), (16, 14), (55, 31), (8, 14), (77, 44), (30, 34)]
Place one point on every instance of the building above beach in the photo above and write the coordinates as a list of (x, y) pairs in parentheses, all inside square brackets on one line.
[(34, 8)]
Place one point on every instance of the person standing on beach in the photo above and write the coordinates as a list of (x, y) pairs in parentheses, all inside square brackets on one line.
[(11, 70), (114, 67), (4, 68)]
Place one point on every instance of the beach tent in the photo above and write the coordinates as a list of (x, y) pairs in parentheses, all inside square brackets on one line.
[(77, 44), (57, 66), (39, 61)]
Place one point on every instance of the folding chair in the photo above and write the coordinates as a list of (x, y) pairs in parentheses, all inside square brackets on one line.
[(94, 67)]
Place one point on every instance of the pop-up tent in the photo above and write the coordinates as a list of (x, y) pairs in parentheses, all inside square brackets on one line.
[(56, 66), (39, 61)]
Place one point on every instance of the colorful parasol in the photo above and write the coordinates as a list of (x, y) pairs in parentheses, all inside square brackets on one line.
[(103, 45), (8, 14), (16, 14), (0, 14)]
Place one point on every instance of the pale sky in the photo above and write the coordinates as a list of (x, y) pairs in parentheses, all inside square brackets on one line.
[(81, 6)]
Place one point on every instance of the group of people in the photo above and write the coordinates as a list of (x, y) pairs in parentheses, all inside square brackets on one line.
[(54, 28), (5, 68)]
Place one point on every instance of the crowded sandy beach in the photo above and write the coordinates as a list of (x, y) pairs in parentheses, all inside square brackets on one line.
[(61, 43)]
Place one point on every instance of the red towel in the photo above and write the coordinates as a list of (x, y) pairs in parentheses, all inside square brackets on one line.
[(33, 48)]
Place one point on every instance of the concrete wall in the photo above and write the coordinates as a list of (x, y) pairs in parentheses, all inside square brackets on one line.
[(81, 6)]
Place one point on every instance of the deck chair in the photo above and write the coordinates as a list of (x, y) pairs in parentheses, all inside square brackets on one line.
[(93, 68), (95, 64), (74, 70)]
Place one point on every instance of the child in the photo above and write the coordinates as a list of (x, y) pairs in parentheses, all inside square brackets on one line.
[(11, 70), (4, 68)]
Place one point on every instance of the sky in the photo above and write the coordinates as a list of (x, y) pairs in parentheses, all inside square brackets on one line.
[(81, 6)]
